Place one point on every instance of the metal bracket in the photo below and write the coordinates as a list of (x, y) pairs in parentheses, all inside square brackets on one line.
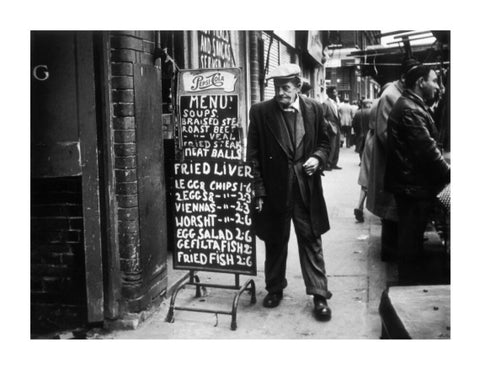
[(194, 280)]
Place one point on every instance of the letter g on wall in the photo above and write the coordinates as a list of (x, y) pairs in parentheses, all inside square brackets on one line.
[(40, 72)]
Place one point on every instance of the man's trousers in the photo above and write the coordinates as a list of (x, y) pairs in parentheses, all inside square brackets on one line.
[(309, 248), (413, 216), (334, 148)]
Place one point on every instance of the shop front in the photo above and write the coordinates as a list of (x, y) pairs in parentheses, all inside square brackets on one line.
[(104, 142), (98, 222)]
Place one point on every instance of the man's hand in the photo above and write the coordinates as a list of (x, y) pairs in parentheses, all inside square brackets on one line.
[(259, 204), (311, 165)]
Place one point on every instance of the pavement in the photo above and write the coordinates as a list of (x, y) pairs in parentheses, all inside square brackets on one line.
[(355, 272)]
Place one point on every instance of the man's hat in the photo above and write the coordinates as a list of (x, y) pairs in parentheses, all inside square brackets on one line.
[(409, 64), (285, 71)]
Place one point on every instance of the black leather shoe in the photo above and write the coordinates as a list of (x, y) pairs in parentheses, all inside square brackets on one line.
[(336, 167), (358, 215), (272, 299), (320, 308)]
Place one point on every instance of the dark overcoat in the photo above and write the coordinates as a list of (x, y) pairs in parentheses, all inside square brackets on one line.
[(331, 114), (381, 202), (360, 127), (415, 166), (272, 164)]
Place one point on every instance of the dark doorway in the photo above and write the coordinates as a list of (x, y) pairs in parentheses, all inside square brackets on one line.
[(66, 262)]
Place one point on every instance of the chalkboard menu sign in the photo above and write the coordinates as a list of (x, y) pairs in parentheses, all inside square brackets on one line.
[(213, 185)]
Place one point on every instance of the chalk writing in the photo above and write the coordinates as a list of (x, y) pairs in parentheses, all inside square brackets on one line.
[(212, 217), (210, 127), (213, 187)]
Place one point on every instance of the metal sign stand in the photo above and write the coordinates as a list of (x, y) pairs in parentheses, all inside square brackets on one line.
[(194, 280)]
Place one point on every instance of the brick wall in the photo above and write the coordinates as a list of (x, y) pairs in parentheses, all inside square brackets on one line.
[(57, 255), (127, 48)]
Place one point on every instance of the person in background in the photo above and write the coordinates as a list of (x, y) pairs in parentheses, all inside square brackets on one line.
[(354, 107), (415, 168), (306, 88), (346, 115), (360, 126), (332, 119), (366, 158), (442, 116), (380, 202), (288, 147)]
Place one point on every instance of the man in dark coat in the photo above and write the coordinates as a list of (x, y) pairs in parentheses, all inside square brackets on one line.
[(288, 147), (360, 126), (381, 202), (332, 118), (415, 169)]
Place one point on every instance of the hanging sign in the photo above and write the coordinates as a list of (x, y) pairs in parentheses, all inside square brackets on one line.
[(213, 183)]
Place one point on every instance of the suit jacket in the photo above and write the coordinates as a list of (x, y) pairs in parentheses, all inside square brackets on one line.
[(345, 113), (360, 127), (331, 115), (269, 150)]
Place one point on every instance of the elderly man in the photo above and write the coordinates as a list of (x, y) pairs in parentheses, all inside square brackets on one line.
[(415, 170), (288, 147)]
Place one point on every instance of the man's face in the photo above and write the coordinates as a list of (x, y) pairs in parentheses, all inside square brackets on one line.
[(333, 95), (285, 92), (430, 87)]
